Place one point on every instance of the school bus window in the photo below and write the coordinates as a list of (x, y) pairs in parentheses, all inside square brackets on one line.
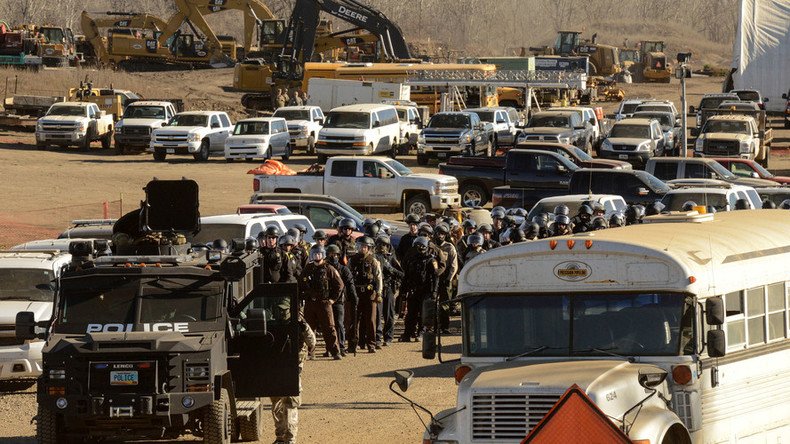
[(755, 312), (776, 311), (736, 325)]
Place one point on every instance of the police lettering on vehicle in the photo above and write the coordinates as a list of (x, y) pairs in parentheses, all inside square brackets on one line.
[(181, 327)]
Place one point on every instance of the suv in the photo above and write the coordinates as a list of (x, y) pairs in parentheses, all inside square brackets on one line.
[(74, 123), (711, 101), (263, 137), (634, 140), (27, 282), (587, 115), (670, 127), (636, 187), (304, 123), (138, 122), (750, 95), (194, 132), (560, 127), (627, 107), (452, 133), (502, 123), (721, 198), (668, 168)]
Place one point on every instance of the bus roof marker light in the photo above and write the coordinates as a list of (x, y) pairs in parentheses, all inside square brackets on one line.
[(571, 243), (692, 279), (552, 244), (588, 243)]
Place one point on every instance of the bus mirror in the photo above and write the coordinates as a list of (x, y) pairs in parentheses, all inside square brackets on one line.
[(403, 379), (25, 327), (651, 379), (429, 345), (714, 311), (716, 342)]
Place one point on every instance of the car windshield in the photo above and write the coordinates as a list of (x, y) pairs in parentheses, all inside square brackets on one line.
[(548, 207), (750, 96), (67, 111), (398, 167), (485, 116), (654, 182), (630, 131), (714, 102), (549, 121), (189, 120), (52, 35), (449, 121), (643, 324), (664, 119), (344, 119), (581, 154), (144, 112), (629, 108), (123, 303), (245, 128), (292, 114), (26, 284), (726, 126), (675, 201), (656, 107)]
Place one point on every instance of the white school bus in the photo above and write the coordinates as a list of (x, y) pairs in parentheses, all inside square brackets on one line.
[(677, 331)]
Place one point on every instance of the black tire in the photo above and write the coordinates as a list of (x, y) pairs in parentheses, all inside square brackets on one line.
[(287, 154), (311, 145), (48, 428), (251, 428), (217, 422), (202, 155), (106, 141), (418, 204), (41, 146), (787, 124), (422, 159), (228, 160), (160, 156), (86, 144), (473, 196), (322, 158), (120, 149)]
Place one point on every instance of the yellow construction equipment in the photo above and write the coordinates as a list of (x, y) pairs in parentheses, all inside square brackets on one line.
[(110, 100), (604, 59), (654, 61)]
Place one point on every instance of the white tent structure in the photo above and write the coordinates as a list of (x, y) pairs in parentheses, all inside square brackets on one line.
[(761, 52)]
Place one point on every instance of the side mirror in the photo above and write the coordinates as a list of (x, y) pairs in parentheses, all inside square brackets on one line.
[(692, 110), (651, 379), (385, 174), (376, 123), (215, 125), (694, 132), (592, 121), (320, 121), (403, 379), (25, 326), (714, 311), (561, 169), (429, 345), (716, 341), (643, 191), (754, 175)]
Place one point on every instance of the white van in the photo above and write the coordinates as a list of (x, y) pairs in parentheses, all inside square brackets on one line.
[(359, 129), (27, 283)]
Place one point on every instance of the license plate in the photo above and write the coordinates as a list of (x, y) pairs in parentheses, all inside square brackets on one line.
[(123, 378), (442, 155), (171, 151), (623, 156)]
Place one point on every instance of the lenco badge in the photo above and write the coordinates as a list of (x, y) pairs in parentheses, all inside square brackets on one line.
[(572, 271)]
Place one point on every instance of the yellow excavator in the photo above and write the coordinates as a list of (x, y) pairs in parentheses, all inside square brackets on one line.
[(122, 35), (604, 59)]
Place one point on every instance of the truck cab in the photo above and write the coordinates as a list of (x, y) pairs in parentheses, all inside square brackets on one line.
[(139, 120), (452, 133)]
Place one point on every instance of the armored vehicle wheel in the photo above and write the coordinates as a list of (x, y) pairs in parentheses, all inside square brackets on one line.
[(217, 422), (251, 427), (106, 141), (202, 155), (48, 428)]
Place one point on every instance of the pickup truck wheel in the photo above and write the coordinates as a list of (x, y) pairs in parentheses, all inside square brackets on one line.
[(473, 196), (311, 145), (160, 156), (41, 146), (202, 155), (287, 154), (217, 421), (120, 149), (422, 159), (418, 205), (106, 141), (86, 143)]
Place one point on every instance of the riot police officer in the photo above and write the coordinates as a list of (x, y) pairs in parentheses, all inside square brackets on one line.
[(299, 250), (407, 239), (582, 222), (345, 307), (562, 225), (274, 262), (344, 239), (320, 286), (392, 274), (488, 242), (420, 281), (475, 247), (445, 285), (368, 282), (293, 264)]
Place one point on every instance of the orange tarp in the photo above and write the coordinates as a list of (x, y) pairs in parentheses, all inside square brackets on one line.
[(273, 168)]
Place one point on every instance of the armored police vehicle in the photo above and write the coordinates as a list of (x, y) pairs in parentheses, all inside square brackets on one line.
[(160, 338)]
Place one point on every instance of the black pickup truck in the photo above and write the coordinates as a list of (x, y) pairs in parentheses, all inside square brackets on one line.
[(559, 127), (540, 173)]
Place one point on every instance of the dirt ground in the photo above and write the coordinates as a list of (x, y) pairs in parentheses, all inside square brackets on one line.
[(347, 401)]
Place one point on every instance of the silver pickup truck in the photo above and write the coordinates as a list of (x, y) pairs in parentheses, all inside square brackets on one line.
[(369, 182)]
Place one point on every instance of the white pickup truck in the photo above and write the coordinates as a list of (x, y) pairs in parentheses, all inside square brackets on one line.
[(369, 182), (304, 123), (193, 132), (734, 135), (140, 119), (74, 123)]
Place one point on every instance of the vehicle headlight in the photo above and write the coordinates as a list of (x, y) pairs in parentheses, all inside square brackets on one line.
[(644, 146), (607, 145), (420, 139), (119, 125), (465, 138), (39, 126), (564, 139), (698, 144), (746, 147), (437, 188), (193, 137), (83, 126), (303, 130)]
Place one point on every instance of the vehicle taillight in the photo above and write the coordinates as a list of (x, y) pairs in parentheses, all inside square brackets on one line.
[(256, 184)]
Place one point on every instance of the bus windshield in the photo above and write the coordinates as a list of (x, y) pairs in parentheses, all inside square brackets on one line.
[(642, 324)]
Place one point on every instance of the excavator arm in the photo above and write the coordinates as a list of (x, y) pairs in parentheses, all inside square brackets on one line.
[(189, 11), (91, 25), (254, 11)]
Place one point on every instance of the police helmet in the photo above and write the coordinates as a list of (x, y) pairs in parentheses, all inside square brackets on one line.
[(520, 212), (332, 249), (562, 219), (412, 219), (383, 240), (742, 204), (220, 244), (562, 210), (497, 213), (517, 235), (497, 208), (287, 240), (509, 221), (585, 210), (533, 231), (347, 223), (319, 235), (250, 243), (688, 205), (598, 208), (368, 221), (293, 231), (475, 239), (617, 220), (768, 205), (785, 205), (302, 229), (271, 231), (317, 253), (485, 228), (469, 223), (366, 241), (425, 229), (541, 219), (599, 223), (420, 242), (442, 228), (372, 230), (654, 208)]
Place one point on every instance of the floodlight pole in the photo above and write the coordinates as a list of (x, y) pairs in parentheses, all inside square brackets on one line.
[(684, 123)]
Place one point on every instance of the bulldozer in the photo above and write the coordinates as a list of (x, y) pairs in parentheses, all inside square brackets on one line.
[(604, 59), (654, 62)]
